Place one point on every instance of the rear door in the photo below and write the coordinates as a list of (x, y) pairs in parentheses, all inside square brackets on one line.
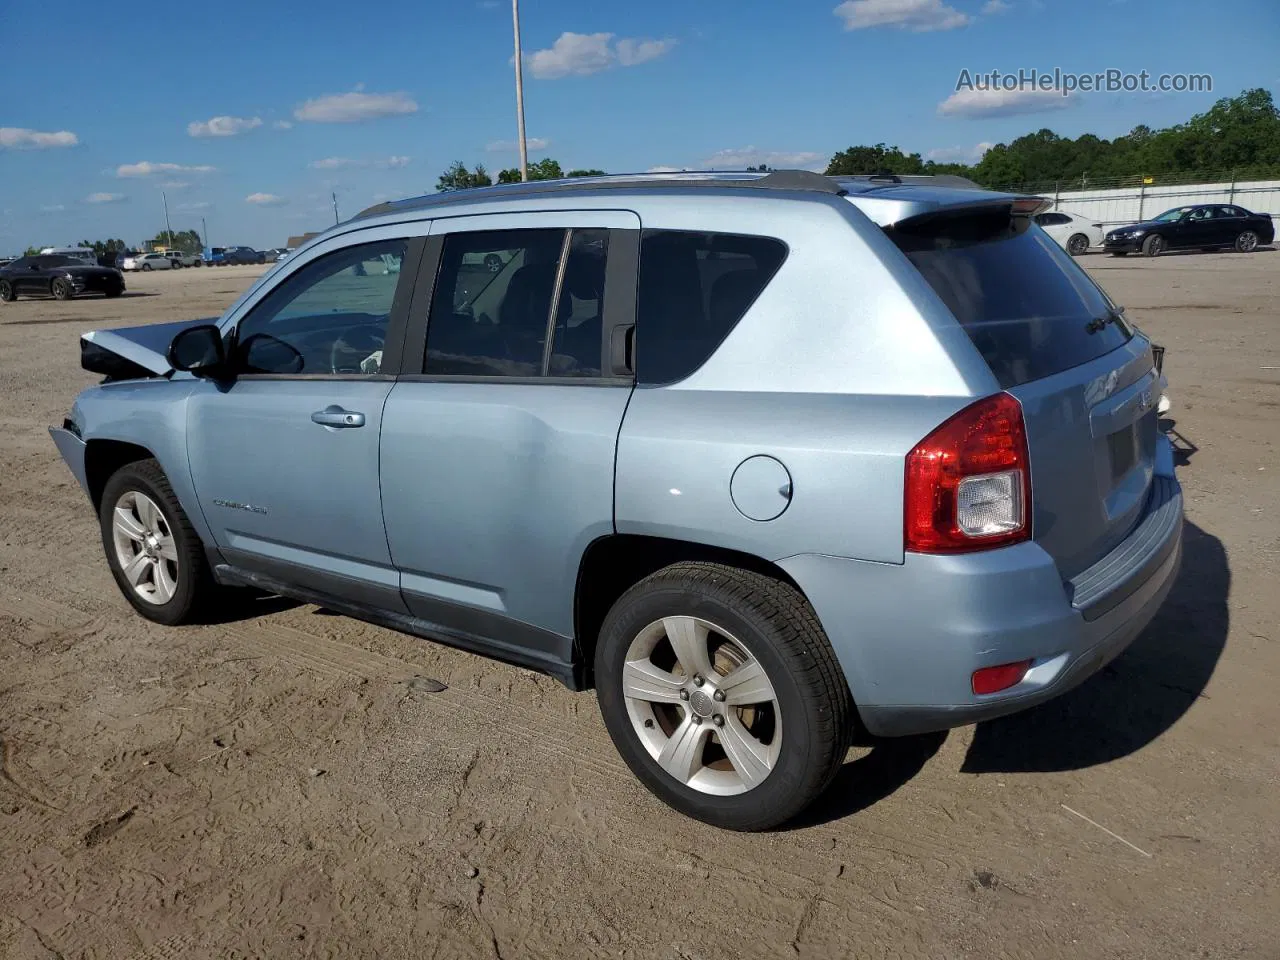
[(498, 454), (1056, 342)]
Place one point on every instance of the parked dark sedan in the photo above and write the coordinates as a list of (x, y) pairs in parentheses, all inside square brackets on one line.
[(1209, 226), (59, 277), (237, 255)]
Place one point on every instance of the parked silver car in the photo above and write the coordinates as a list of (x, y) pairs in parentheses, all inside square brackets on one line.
[(768, 460)]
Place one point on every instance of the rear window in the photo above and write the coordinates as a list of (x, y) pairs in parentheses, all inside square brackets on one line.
[(693, 289), (1027, 306)]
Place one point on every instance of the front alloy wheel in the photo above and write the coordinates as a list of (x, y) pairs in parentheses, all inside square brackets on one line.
[(1153, 246), (145, 547), (62, 289)]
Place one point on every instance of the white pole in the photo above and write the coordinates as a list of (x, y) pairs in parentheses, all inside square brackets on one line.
[(168, 229), (524, 153)]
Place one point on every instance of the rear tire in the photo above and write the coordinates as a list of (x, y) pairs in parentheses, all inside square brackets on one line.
[(62, 289), (1119, 253), (757, 751), (1153, 246), (154, 553), (1078, 245), (7, 293), (1247, 242)]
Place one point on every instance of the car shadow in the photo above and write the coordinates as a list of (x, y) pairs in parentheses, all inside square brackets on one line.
[(243, 603), (1137, 697), (864, 782), (1183, 449)]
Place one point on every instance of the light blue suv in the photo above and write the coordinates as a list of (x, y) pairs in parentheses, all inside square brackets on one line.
[(768, 460)]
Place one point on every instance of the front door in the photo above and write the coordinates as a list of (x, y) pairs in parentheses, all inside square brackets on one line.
[(285, 457), (498, 457)]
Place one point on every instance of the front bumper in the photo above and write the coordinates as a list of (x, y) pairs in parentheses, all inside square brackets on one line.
[(1123, 245), (72, 449), (909, 636)]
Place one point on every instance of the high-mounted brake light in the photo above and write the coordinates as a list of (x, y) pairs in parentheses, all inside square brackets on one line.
[(968, 484), (1030, 206)]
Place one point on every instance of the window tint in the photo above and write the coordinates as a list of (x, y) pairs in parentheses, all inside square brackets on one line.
[(1052, 219), (330, 317), (1027, 306), (492, 307), (1228, 212), (693, 289)]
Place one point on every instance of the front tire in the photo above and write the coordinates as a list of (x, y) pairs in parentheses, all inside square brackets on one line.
[(1078, 245), (1153, 246), (154, 553), (723, 695), (1247, 242), (61, 289), (7, 293), (146, 268)]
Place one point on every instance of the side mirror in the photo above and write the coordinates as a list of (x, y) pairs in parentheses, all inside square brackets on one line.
[(198, 350)]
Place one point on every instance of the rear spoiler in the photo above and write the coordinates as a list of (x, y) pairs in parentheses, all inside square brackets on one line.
[(1013, 206), (132, 353)]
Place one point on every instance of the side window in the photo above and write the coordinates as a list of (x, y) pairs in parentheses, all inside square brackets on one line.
[(330, 317), (1227, 213), (693, 290), (518, 303), (1052, 219)]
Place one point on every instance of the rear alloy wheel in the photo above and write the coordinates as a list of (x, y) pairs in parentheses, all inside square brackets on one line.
[(154, 553), (722, 693), (1078, 245), (6, 292), (1153, 246), (62, 289), (1247, 242)]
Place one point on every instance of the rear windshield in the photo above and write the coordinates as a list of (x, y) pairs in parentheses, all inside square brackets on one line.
[(1027, 306)]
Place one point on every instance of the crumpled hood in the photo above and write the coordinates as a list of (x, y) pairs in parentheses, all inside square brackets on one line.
[(131, 352)]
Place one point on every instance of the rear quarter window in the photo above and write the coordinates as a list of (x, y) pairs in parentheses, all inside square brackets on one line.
[(1027, 306), (693, 290)]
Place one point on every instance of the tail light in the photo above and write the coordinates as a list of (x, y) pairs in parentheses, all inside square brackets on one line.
[(968, 484)]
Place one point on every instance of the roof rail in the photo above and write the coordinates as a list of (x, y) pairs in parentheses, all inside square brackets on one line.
[(937, 180), (802, 180)]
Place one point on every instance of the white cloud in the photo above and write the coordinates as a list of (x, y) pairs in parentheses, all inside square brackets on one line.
[(582, 54), (533, 144), (959, 154), (200, 205), (265, 199), (105, 198), (53, 208), (145, 168), (753, 157), (20, 138), (283, 125), (331, 163), (350, 107), (1001, 103), (919, 16), (223, 126), (996, 6), (633, 52), (392, 163)]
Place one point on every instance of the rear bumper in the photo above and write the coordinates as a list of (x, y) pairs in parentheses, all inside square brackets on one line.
[(909, 636), (72, 448)]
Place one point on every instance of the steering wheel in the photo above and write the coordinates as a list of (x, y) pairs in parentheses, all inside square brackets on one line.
[(352, 346)]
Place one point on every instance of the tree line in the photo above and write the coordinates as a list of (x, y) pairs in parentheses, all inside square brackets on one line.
[(1238, 134)]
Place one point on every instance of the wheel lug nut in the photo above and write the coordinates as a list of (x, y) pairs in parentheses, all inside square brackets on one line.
[(718, 720), (697, 720), (718, 696), (684, 694), (697, 680)]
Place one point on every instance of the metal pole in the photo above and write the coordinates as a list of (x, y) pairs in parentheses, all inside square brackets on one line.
[(204, 231), (334, 194), (1142, 197), (168, 229), (1231, 197), (524, 153)]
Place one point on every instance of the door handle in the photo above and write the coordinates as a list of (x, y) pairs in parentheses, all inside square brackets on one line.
[(335, 416)]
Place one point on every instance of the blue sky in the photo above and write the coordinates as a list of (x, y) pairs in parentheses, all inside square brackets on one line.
[(251, 114)]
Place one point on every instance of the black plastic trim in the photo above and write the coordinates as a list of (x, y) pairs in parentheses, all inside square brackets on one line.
[(509, 652)]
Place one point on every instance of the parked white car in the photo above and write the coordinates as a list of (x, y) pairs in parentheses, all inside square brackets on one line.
[(1074, 233), (147, 261), (181, 259)]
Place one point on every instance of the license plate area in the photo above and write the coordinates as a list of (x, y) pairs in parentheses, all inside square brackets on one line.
[(1123, 449)]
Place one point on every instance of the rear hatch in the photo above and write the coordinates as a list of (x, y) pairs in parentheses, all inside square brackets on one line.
[(1054, 340)]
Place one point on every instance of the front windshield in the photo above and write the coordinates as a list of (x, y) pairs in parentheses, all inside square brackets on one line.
[(1171, 215)]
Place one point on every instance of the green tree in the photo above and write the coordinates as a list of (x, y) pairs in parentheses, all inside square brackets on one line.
[(31, 252), (585, 173), (546, 169), (103, 247), (188, 241), (871, 160), (458, 177)]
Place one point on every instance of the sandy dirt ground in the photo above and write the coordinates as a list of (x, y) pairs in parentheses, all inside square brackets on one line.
[(291, 783)]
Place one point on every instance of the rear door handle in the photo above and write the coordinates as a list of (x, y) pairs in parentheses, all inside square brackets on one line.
[(335, 416)]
